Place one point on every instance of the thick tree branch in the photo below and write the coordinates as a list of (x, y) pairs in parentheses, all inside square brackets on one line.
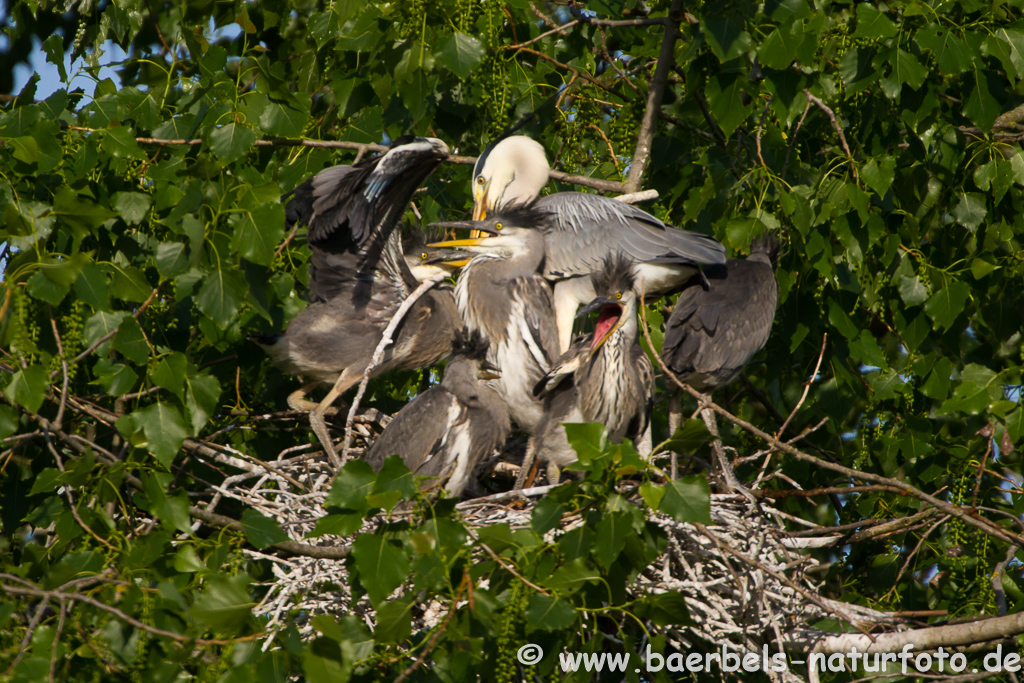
[(645, 137)]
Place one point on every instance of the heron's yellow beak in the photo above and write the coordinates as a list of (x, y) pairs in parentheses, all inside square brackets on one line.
[(470, 242), (454, 265), (480, 208)]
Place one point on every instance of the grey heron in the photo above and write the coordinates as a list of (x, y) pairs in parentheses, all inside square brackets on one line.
[(719, 323), (586, 229), (448, 429), (359, 278), (501, 293), (604, 377)]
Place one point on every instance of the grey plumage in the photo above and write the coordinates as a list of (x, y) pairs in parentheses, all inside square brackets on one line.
[(501, 293), (586, 229), (359, 277), (720, 322), (448, 429), (604, 376)]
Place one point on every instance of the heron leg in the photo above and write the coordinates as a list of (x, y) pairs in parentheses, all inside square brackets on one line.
[(732, 484), (645, 443), (531, 455), (554, 474), (297, 399), (316, 416), (675, 420)]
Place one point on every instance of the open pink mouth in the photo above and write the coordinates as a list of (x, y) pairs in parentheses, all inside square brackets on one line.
[(605, 322)]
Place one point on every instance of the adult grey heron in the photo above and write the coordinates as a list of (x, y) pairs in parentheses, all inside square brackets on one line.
[(501, 293), (586, 229), (448, 429), (719, 323), (604, 377), (359, 278)]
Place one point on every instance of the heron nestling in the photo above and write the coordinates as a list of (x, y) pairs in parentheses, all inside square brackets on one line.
[(448, 429), (501, 293), (586, 229), (604, 376), (359, 277)]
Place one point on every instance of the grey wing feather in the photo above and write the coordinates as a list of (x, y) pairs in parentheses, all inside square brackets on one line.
[(588, 228), (566, 366), (415, 433), (539, 317)]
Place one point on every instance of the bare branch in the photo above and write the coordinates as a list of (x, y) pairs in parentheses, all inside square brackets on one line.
[(645, 137), (378, 353)]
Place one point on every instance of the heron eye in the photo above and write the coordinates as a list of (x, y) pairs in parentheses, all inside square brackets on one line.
[(618, 295), (479, 180), (423, 256), (497, 226)]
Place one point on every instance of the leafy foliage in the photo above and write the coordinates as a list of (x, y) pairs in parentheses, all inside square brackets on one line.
[(881, 142)]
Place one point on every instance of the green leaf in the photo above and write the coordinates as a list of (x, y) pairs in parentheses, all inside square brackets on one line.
[(130, 284), (953, 54), (130, 341), (224, 605), (652, 494), (283, 121), (54, 49), (687, 499), (259, 232), (28, 387), (394, 621), (261, 531), (980, 107), (169, 373), (24, 149), (101, 324), (351, 485), (382, 564), (726, 37), (549, 613), (879, 174), (970, 210), (120, 142), (905, 69), (946, 304), (546, 515), (571, 577), (231, 142), (664, 609), (115, 378), (171, 259), (689, 437), (42, 288), (724, 97), (460, 54), (394, 476), (873, 24), (912, 291), (164, 429), (92, 287), (171, 510), (611, 533), (221, 295), (978, 387), (201, 394), (133, 206), (338, 524), (588, 440)]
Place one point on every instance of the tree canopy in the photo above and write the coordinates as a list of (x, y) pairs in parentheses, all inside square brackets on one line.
[(143, 239)]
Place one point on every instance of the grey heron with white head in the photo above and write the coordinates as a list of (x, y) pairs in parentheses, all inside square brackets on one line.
[(604, 377), (586, 229), (448, 429), (359, 277)]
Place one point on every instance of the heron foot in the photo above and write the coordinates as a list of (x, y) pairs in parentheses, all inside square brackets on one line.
[(528, 462), (316, 421), (554, 474)]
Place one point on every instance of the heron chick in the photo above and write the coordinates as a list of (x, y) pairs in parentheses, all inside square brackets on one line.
[(719, 323), (501, 293), (359, 278), (448, 429), (586, 229), (604, 376)]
